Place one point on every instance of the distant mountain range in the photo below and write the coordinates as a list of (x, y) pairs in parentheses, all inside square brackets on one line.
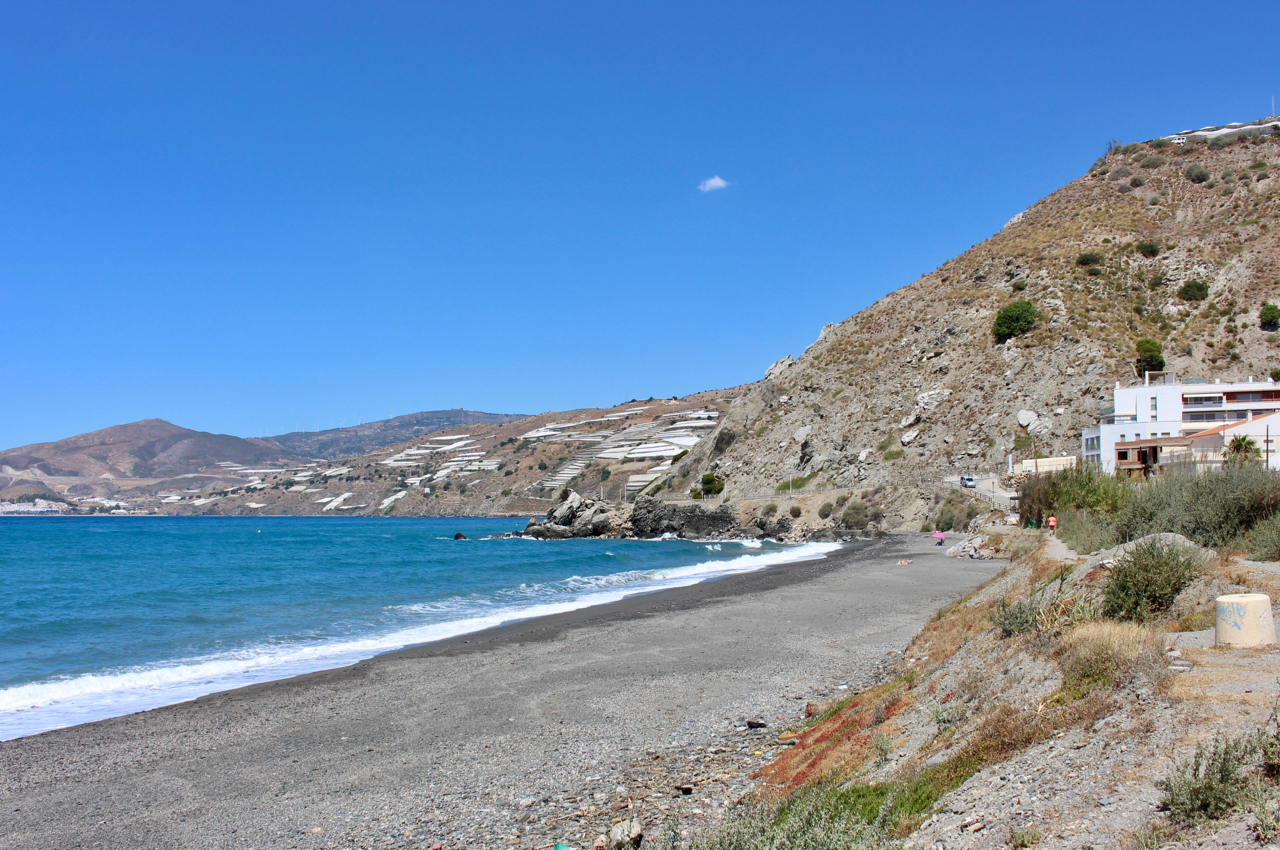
[(150, 448), (154, 448), (359, 439)]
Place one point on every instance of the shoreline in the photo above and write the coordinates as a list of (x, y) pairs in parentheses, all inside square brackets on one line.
[(526, 733), (548, 627), (536, 627)]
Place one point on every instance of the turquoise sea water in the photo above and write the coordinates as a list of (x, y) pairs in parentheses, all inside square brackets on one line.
[(102, 616)]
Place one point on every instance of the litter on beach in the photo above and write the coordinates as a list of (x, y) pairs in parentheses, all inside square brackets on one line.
[(906, 562)]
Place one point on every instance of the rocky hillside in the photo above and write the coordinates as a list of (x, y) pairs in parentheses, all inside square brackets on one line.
[(369, 436), (485, 469), (916, 387)]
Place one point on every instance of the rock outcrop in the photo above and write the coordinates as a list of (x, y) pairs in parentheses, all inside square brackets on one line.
[(654, 518), (574, 516)]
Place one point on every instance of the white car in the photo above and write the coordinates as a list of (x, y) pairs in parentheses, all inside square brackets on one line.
[(967, 481)]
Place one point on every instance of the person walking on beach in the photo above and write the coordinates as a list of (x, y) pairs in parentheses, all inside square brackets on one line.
[(1053, 526)]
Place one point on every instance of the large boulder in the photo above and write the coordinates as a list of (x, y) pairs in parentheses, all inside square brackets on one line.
[(573, 516), (548, 531)]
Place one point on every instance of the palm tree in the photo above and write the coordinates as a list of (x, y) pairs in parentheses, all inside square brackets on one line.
[(1241, 450)]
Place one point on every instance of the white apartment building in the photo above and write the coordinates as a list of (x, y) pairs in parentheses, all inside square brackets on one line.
[(1163, 406)]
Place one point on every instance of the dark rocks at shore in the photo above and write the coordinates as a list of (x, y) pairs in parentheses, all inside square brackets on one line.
[(575, 516), (652, 518)]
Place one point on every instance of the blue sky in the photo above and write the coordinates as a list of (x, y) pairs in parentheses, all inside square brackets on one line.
[(255, 217)]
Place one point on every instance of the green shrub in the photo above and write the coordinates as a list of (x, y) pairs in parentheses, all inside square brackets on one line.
[(797, 483), (695, 492), (1094, 271), (855, 515), (893, 455), (1193, 290), (542, 464), (1264, 539), (1150, 356), (1019, 285), (711, 485), (1269, 316), (771, 509), (825, 510), (1014, 320), (605, 474), (1148, 249), (1021, 838), (1089, 258), (794, 511), (1215, 508), (1212, 784), (1152, 161), (1258, 166), (1015, 619), (1138, 181), (1143, 584), (1081, 489), (1220, 142), (816, 818), (1197, 173), (956, 512), (679, 456), (1084, 533), (1160, 143)]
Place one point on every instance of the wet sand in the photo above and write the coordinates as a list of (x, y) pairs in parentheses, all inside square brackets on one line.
[(496, 739)]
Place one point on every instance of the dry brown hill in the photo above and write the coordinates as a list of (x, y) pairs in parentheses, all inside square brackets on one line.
[(915, 387), (150, 448)]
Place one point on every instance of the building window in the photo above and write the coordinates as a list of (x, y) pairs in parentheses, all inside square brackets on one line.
[(1153, 404), (1165, 434), (1122, 455), (1122, 439)]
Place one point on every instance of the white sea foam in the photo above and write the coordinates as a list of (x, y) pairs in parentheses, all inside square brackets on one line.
[(57, 703)]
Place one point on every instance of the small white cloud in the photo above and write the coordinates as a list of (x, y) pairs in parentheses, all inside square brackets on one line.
[(714, 183)]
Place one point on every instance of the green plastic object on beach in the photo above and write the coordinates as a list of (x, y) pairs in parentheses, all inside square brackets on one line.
[(560, 846)]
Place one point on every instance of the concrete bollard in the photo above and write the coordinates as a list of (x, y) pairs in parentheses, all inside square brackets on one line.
[(1243, 619)]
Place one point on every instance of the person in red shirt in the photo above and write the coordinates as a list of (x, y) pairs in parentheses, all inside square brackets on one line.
[(1053, 526)]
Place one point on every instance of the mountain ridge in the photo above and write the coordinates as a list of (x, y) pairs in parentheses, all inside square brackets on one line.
[(148, 448), (359, 439)]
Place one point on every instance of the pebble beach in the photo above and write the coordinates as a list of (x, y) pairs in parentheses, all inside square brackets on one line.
[(657, 707)]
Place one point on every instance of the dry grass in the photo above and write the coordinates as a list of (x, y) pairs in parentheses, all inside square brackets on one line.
[(1104, 653), (841, 740), (948, 631)]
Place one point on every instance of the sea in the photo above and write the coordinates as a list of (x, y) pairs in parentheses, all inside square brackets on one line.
[(104, 616)]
